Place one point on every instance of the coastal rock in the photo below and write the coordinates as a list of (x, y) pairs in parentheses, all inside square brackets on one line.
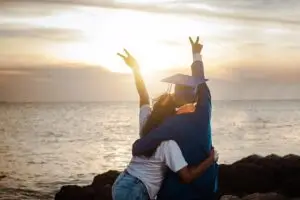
[(99, 189), (229, 197), (74, 192), (2, 177), (102, 184), (254, 177), (256, 196), (267, 196), (261, 174)]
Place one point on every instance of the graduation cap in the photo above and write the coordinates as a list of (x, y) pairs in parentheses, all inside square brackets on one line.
[(185, 85)]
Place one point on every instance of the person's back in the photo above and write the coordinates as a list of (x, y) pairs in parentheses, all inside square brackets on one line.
[(194, 150)]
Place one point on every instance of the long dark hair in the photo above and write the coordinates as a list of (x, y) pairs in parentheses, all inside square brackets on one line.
[(163, 108)]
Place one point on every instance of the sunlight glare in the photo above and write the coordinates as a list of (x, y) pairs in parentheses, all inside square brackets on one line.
[(157, 41)]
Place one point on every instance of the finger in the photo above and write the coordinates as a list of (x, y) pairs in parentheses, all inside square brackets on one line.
[(122, 56), (127, 53), (191, 40), (197, 41)]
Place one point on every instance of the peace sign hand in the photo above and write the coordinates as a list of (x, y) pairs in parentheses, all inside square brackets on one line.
[(196, 46), (129, 60)]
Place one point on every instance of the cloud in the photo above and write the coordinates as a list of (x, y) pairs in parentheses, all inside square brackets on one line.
[(21, 8), (13, 72), (266, 74), (66, 84), (183, 7), (172, 42), (97, 84), (56, 34), (294, 47), (254, 44)]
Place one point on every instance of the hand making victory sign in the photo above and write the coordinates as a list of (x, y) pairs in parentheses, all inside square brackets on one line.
[(129, 60), (139, 82), (196, 46)]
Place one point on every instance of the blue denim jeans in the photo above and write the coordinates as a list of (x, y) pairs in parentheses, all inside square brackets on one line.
[(128, 187)]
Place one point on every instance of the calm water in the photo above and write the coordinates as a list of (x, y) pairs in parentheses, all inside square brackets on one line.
[(44, 146)]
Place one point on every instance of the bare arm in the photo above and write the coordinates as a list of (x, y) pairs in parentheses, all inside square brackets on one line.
[(141, 88), (175, 161), (189, 173), (139, 81)]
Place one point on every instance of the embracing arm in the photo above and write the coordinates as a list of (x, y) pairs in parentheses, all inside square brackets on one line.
[(148, 144), (175, 161), (190, 173)]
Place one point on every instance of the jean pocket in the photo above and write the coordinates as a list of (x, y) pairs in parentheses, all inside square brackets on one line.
[(126, 181), (118, 179), (142, 190)]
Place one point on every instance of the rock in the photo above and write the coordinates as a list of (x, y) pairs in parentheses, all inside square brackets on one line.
[(102, 184), (229, 197), (74, 192), (261, 174), (99, 189), (2, 177), (291, 186), (244, 178), (254, 177), (256, 196), (107, 178), (267, 196), (250, 159)]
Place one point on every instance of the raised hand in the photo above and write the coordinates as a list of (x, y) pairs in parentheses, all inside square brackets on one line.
[(129, 60), (139, 82), (196, 46)]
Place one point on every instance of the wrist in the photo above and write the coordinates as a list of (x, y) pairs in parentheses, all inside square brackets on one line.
[(197, 57)]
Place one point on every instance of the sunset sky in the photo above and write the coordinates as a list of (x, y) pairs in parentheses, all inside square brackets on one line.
[(251, 48)]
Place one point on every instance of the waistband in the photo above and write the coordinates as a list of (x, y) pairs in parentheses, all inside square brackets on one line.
[(137, 180)]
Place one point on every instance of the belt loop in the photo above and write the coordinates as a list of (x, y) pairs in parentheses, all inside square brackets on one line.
[(137, 181)]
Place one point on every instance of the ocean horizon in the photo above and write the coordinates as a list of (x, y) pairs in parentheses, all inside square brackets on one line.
[(136, 101)]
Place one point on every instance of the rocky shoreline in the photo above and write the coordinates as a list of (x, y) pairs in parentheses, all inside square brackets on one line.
[(253, 177)]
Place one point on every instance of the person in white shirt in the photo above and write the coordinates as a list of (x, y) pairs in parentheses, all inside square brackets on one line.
[(142, 179)]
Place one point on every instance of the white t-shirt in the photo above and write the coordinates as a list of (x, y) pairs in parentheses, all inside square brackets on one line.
[(151, 170)]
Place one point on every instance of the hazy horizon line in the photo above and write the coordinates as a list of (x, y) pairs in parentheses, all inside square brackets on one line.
[(129, 101)]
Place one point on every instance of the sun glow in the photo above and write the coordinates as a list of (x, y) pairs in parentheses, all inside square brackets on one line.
[(157, 41)]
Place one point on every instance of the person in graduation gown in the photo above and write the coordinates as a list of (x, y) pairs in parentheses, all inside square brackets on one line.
[(191, 131), (142, 178)]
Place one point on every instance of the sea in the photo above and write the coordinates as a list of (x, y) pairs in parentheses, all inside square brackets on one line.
[(44, 146)]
